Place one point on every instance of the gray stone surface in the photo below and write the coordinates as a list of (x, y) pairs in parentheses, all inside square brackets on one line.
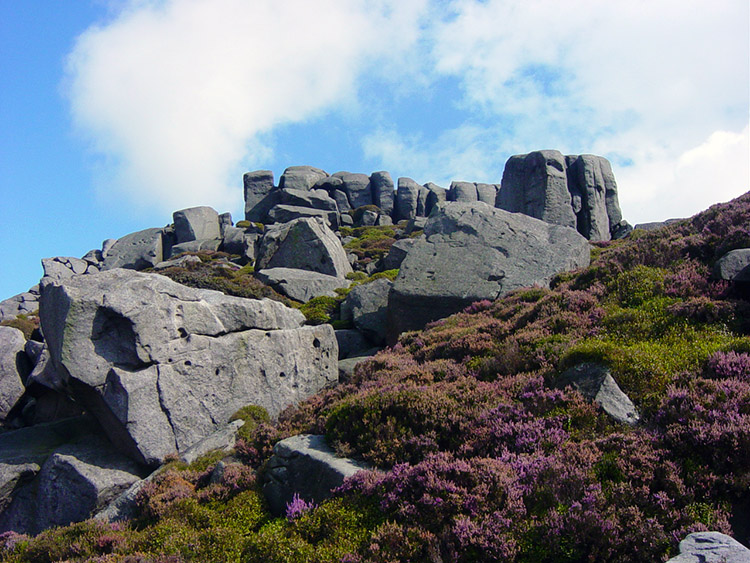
[(21, 304), (301, 177), (233, 240), (536, 184), (422, 201), (304, 244), (45, 374), (196, 223), (225, 220), (407, 199), (351, 343), (368, 218), (222, 439), (487, 193), (342, 201), (135, 251), (397, 253), (592, 186), (383, 192), (464, 192), (301, 285), (315, 199), (366, 306), (63, 267), (711, 547), (734, 266), (357, 188), (257, 185), (211, 245), (348, 365), (656, 224), (305, 465), (470, 252), (435, 196), (285, 213), (14, 368), (596, 384), (181, 262), (162, 365), (79, 479)]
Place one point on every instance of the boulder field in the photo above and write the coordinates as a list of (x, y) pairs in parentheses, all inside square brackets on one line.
[(128, 368)]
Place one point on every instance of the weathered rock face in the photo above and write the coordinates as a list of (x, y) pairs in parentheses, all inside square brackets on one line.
[(357, 188), (305, 465), (472, 252), (282, 213), (711, 547), (162, 365), (257, 186), (136, 251), (407, 199), (304, 244), (573, 191), (301, 285), (365, 306), (196, 223), (301, 177), (21, 304), (382, 191), (63, 267), (14, 368), (596, 384)]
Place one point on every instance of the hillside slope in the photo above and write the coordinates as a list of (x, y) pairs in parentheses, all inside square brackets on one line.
[(481, 457)]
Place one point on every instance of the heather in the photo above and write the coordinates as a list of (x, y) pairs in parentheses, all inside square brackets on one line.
[(480, 457)]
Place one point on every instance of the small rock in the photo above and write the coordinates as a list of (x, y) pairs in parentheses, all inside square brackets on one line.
[(734, 266), (711, 547)]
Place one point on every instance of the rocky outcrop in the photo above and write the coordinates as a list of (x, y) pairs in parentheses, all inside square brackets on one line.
[(257, 185), (303, 244), (301, 177), (596, 384), (21, 304), (407, 200), (382, 191), (471, 252), (307, 466), (711, 547), (162, 365), (196, 223), (136, 251), (572, 191)]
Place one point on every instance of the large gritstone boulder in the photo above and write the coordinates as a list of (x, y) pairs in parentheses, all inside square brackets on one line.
[(357, 188), (573, 191), (257, 186), (162, 365), (711, 547), (301, 177), (196, 223), (407, 200), (470, 252), (301, 285), (383, 192), (304, 244)]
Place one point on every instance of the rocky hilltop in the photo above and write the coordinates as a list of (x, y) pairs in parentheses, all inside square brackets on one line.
[(253, 352)]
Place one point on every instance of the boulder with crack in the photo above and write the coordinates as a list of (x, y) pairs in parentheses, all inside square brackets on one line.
[(162, 365)]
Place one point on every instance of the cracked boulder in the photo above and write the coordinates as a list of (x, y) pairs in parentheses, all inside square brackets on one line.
[(162, 365), (470, 252)]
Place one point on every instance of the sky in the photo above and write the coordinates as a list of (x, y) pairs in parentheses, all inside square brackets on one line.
[(115, 113)]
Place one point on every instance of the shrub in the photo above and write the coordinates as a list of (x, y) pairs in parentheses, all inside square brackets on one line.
[(252, 415)]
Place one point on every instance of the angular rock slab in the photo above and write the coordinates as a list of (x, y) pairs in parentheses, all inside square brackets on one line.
[(301, 177), (366, 306), (14, 368), (308, 466), (257, 185), (471, 252), (136, 251), (301, 285), (196, 223), (596, 384), (711, 547), (162, 365), (304, 244)]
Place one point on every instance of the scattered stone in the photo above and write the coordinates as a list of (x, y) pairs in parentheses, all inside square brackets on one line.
[(596, 384), (61, 267), (14, 368), (21, 304), (257, 185), (196, 223), (416, 224), (471, 252), (366, 306), (407, 197), (142, 370), (307, 466), (136, 251), (233, 240), (223, 439), (315, 199), (181, 262), (304, 244), (383, 192), (734, 266), (348, 365), (211, 245), (301, 177), (621, 230), (711, 547), (301, 285), (285, 213), (369, 218)]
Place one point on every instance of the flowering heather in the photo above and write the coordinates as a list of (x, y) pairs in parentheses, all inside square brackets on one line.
[(297, 507)]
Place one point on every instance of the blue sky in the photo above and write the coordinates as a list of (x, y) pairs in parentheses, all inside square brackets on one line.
[(114, 113)]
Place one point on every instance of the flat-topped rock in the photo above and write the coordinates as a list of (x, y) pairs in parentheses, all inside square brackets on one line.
[(301, 285), (196, 223)]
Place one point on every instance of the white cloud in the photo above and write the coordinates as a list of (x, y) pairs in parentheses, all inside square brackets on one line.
[(176, 93)]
